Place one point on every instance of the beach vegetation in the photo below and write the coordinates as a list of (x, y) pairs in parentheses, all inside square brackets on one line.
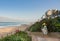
[(20, 36)]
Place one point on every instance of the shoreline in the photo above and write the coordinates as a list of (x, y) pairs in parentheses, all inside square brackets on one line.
[(9, 30), (10, 26)]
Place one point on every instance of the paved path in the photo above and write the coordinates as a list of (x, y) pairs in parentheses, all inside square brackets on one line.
[(37, 36)]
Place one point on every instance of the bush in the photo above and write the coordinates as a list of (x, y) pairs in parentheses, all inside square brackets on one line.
[(53, 25), (35, 27), (21, 36)]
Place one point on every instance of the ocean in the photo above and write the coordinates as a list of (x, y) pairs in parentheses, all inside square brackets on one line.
[(10, 23), (6, 24)]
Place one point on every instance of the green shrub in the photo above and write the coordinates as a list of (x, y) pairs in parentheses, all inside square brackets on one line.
[(35, 27), (21, 36), (53, 25)]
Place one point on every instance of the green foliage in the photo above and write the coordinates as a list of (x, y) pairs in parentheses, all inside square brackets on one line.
[(21, 36), (35, 27), (53, 25), (56, 23)]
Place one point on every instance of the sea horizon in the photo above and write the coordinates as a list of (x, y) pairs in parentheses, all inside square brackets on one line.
[(4, 24)]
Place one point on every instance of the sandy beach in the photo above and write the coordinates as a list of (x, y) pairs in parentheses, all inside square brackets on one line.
[(8, 30)]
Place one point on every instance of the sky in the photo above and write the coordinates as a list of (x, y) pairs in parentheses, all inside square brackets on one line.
[(29, 10)]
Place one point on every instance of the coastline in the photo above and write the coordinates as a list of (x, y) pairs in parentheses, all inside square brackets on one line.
[(9, 30)]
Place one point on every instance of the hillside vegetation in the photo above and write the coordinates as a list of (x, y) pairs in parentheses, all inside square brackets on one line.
[(51, 19), (53, 25), (20, 36)]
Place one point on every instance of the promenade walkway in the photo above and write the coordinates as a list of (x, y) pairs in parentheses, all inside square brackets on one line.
[(38, 36)]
